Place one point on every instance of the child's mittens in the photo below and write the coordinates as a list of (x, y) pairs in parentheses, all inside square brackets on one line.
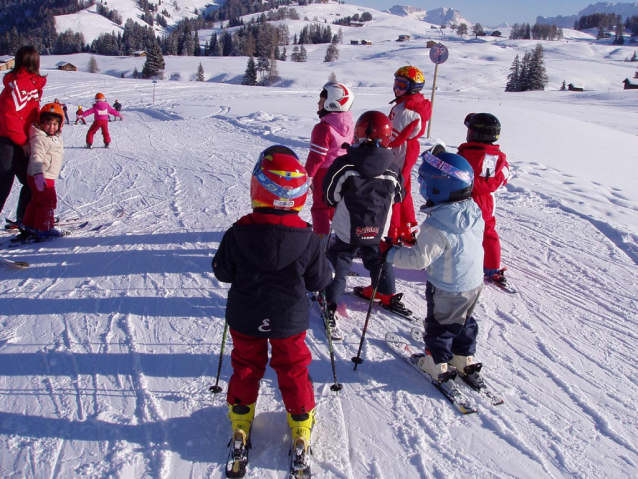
[(40, 182)]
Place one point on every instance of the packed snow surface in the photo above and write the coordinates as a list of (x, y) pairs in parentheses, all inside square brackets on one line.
[(110, 340)]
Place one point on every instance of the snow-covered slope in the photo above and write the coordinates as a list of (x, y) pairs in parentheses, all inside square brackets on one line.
[(91, 25), (436, 16), (109, 341)]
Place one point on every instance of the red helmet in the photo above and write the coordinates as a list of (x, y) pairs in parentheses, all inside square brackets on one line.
[(52, 109), (373, 126), (279, 180), (100, 97)]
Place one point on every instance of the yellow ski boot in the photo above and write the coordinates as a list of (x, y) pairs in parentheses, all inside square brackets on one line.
[(300, 429), (241, 418)]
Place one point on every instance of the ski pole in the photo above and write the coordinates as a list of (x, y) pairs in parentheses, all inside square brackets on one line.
[(357, 360), (217, 389), (336, 386)]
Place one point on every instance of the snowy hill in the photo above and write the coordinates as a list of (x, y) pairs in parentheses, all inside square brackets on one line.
[(91, 24), (109, 341), (437, 16), (625, 10)]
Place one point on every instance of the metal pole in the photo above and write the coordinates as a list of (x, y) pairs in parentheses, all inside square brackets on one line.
[(216, 388), (436, 71)]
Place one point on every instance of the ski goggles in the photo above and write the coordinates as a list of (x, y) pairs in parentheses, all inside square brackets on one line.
[(401, 84), (278, 190), (446, 168)]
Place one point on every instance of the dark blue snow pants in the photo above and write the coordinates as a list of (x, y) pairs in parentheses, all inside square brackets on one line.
[(341, 254), (450, 328)]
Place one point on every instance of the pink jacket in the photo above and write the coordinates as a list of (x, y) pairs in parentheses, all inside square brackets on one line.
[(101, 110), (326, 139)]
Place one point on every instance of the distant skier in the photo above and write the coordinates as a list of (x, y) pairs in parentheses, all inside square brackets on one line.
[(409, 117), (333, 130), (271, 257), (491, 171), (449, 247), (363, 185), (101, 110), (64, 109), (118, 107), (79, 115), (45, 163)]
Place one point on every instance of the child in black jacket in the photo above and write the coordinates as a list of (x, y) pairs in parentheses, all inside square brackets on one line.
[(362, 185), (271, 257)]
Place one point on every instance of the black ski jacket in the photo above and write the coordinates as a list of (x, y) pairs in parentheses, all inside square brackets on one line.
[(363, 185), (271, 261)]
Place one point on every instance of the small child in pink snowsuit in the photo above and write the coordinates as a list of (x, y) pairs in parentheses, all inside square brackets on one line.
[(335, 128), (101, 109)]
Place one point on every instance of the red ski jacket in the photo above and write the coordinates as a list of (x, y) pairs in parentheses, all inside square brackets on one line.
[(20, 104), (491, 171)]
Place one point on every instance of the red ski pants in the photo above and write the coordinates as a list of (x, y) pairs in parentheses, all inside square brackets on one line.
[(491, 245), (40, 211), (97, 124), (403, 213), (290, 359), (321, 213)]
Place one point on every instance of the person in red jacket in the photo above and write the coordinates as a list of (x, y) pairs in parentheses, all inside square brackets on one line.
[(409, 117), (491, 171), (19, 108)]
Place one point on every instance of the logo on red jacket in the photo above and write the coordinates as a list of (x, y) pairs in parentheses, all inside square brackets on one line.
[(367, 232), (22, 97)]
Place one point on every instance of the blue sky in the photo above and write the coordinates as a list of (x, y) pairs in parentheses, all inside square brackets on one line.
[(491, 12)]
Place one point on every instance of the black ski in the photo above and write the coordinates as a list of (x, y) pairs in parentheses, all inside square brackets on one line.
[(18, 242), (300, 453), (238, 448), (483, 389), (398, 308), (15, 264), (506, 285), (407, 351)]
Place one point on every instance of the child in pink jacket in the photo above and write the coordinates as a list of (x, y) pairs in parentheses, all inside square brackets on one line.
[(335, 128), (101, 109)]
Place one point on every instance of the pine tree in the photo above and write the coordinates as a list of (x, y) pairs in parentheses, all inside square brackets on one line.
[(92, 67), (263, 66), (295, 54), (332, 53), (154, 64), (273, 72), (250, 75), (283, 55), (303, 55), (537, 78), (563, 87), (332, 77), (200, 72), (514, 77), (462, 29)]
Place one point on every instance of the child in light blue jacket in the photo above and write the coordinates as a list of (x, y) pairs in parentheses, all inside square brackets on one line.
[(449, 246)]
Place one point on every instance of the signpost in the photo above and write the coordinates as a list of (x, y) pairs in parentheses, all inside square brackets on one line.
[(154, 83), (438, 54)]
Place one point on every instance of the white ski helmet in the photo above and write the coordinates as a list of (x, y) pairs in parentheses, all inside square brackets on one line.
[(338, 97)]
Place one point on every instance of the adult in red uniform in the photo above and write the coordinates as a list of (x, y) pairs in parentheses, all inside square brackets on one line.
[(19, 108)]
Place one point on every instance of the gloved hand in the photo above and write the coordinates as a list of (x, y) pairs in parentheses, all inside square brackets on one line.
[(121, 117), (40, 182)]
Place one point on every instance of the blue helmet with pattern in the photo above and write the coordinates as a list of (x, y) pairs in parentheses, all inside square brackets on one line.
[(445, 178)]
